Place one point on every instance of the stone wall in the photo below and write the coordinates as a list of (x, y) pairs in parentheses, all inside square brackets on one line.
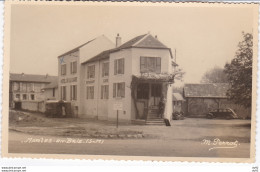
[(36, 106)]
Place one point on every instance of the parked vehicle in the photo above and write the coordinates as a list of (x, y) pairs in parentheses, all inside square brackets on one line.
[(222, 113), (177, 116)]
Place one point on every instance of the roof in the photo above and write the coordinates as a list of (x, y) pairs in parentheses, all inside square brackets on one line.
[(76, 49), (32, 78), (141, 41), (149, 42), (213, 90), (177, 97), (53, 84)]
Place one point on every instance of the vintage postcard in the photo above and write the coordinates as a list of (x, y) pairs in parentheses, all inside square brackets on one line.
[(130, 81)]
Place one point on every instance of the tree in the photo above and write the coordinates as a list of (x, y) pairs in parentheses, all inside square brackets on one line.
[(215, 75), (239, 72)]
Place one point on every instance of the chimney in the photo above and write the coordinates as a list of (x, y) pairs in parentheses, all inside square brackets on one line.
[(46, 76), (155, 37), (118, 40), (22, 74)]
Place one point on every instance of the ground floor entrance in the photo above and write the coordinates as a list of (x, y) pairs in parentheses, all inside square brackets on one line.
[(18, 105), (149, 100)]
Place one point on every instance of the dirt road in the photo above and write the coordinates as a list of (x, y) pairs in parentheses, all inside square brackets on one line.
[(184, 139)]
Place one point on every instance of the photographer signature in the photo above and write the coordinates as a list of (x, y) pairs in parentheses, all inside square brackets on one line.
[(218, 144)]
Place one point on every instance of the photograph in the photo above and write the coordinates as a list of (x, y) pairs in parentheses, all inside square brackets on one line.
[(130, 81)]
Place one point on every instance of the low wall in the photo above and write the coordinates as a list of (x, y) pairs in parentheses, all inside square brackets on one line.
[(37, 106)]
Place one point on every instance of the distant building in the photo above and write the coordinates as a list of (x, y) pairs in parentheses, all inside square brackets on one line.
[(100, 77), (201, 98), (28, 88), (51, 91)]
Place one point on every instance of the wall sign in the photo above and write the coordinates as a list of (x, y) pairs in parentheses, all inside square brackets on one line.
[(90, 82), (67, 80), (118, 106)]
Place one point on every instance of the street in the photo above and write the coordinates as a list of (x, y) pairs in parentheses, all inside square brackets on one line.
[(185, 138)]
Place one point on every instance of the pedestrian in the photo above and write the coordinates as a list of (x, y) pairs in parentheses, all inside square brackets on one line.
[(161, 106)]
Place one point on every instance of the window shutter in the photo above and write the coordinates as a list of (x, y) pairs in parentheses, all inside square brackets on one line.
[(88, 72), (86, 92), (93, 71), (108, 69), (115, 67), (61, 92), (123, 66), (107, 87), (65, 90), (123, 89), (71, 68), (71, 92), (93, 92), (158, 65), (103, 69), (75, 67), (102, 87), (114, 89), (76, 91), (142, 64)]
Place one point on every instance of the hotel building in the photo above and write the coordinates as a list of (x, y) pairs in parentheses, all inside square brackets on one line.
[(100, 77)]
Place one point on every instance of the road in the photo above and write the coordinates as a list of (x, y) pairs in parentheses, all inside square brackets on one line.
[(128, 147)]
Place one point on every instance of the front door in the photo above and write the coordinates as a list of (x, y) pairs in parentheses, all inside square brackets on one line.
[(142, 99), (156, 93), (154, 100)]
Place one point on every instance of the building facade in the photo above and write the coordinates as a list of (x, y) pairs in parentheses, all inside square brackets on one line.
[(132, 77), (25, 90)]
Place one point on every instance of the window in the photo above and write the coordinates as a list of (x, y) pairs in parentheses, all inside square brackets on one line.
[(63, 69), (104, 91), (24, 96), (24, 87), (119, 66), (53, 92), (91, 72), (37, 87), (73, 67), (32, 96), (63, 92), (17, 96), (16, 86), (30, 87), (119, 89), (156, 90), (90, 92), (143, 91), (150, 64), (105, 69), (73, 92)]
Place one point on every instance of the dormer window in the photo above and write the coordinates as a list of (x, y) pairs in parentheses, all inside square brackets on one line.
[(150, 64)]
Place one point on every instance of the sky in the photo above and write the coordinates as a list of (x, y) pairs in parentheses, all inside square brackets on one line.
[(203, 37)]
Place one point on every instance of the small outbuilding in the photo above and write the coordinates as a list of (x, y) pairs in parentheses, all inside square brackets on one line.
[(201, 98)]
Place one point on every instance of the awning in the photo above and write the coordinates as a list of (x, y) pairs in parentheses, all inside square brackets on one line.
[(154, 77)]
